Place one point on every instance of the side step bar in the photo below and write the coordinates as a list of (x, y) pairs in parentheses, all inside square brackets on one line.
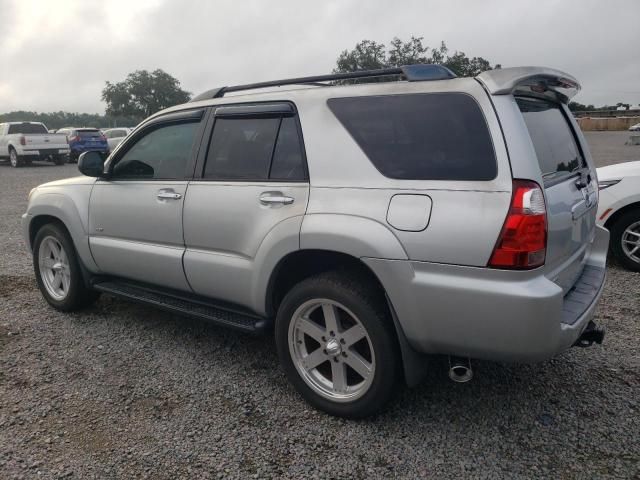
[(185, 304)]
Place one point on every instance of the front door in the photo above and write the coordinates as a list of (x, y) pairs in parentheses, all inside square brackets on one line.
[(135, 214), (246, 201)]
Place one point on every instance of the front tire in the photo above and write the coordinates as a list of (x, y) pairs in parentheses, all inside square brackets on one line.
[(337, 344), (58, 272), (625, 240)]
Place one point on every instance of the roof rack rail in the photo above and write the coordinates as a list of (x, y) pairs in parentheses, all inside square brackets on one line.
[(412, 73)]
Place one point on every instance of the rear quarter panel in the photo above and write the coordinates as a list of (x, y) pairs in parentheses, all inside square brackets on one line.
[(466, 216)]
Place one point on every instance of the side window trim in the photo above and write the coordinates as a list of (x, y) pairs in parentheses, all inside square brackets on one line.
[(252, 110), (199, 116)]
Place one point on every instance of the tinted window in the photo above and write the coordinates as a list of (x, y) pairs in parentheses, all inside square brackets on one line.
[(27, 128), (162, 153), (288, 162), (440, 136), (89, 133), (241, 148), (553, 140)]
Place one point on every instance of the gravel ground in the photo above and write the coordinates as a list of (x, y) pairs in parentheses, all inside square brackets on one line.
[(122, 391)]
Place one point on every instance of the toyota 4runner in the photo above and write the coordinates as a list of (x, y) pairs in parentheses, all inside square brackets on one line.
[(364, 225)]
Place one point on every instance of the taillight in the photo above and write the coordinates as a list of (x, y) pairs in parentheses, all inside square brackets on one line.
[(74, 138), (23, 141), (522, 243)]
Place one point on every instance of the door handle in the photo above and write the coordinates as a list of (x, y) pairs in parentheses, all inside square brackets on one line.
[(169, 196), (275, 198)]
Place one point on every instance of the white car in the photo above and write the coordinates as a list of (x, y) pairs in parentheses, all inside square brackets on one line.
[(619, 210), (115, 136), (635, 128)]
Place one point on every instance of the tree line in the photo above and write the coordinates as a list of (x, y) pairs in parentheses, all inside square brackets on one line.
[(143, 93)]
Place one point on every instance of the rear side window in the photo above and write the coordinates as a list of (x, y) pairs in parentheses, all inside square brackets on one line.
[(556, 148), (27, 128), (244, 148), (438, 136)]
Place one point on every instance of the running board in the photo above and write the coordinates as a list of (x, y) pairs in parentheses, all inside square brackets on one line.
[(184, 304)]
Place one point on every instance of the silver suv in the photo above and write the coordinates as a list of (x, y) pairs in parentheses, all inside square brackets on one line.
[(364, 225)]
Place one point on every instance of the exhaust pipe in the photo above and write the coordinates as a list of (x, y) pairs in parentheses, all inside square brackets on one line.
[(592, 334), (460, 369)]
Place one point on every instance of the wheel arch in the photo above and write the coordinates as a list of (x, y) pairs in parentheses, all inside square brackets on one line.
[(620, 212), (301, 264), (62, 210)]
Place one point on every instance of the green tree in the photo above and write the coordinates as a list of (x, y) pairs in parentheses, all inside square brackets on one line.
[(368, 55), (143, 93)]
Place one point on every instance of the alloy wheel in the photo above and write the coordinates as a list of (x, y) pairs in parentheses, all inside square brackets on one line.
[(631, 242), (331, 350), (54, 268)]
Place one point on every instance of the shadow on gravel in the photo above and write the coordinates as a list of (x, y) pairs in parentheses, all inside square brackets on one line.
[(33, 165)]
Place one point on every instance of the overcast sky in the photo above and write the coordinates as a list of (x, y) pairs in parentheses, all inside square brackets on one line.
[(56, 55)]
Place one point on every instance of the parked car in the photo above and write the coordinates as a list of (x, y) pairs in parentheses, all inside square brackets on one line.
[(84, 140), (115, 135), (23, 142), (619, 211), (635, 128), (368, 224)]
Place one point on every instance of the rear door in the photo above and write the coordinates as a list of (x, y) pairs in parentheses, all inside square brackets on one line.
[(570, 188), (250, 186)]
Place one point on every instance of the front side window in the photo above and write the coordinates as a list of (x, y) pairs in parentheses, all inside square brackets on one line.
[(437, 136), (255, 149), (162, 153), (556, 148)]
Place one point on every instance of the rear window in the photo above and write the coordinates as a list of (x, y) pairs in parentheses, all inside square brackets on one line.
[(437, 136), (27, 128), (88, 133), (556, 148)]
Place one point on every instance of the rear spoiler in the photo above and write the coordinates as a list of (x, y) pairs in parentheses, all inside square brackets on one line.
[(534, 81)]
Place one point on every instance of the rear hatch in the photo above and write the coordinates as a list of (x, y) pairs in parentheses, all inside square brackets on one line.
[(569, 184), (532, 104), (91, 138)]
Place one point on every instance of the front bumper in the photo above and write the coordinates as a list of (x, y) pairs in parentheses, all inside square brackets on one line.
[(491, 314)]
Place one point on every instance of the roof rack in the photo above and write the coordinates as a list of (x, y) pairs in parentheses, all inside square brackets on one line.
[(412, 73)]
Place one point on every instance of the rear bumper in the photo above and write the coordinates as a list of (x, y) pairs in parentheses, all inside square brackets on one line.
[(43, 152), (491, 314)]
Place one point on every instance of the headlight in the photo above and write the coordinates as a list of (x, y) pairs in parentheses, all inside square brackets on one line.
[(607, 183)]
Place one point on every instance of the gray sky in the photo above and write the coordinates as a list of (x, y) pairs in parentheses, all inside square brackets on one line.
[(56, 55)]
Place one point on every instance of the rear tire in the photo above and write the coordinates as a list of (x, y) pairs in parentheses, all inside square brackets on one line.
[(59, 159), (337, 344), (58, 272), (625, 240), (14, 159)]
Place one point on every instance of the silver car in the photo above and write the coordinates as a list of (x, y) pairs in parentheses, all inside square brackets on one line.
[(364, 226)]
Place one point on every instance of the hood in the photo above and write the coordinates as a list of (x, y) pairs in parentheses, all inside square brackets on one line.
[(619, 170), (80, 180)]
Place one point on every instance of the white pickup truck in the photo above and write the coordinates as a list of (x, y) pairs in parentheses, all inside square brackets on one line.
[(23, 142)]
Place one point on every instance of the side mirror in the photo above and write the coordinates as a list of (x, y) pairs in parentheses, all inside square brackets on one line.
[(91, 164)]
